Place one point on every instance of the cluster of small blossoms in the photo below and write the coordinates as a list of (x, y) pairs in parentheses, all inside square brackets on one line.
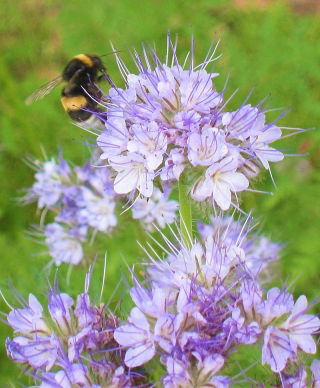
[(82, 199), (203, 301), (84, 202), (169, 118), (157, 210), (71, 345)]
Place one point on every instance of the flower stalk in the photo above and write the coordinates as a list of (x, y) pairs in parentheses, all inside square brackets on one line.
[(185, 212)]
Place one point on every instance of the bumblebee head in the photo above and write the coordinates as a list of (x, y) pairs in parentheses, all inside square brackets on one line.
[(97, 62), (83, 68)]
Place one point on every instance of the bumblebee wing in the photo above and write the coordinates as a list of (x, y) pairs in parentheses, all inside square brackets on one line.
[(43, 90)]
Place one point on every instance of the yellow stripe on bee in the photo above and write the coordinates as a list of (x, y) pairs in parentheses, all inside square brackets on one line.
[(85, 59), (73, 103)]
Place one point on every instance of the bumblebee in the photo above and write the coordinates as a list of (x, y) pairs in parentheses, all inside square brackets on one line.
[(81, 75)]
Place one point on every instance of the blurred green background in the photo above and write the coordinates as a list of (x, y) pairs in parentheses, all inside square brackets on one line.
[(271, 46)]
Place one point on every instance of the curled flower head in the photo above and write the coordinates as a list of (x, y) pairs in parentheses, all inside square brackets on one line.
[(69, 343), (83, 201), (200, 302), (170, 117)]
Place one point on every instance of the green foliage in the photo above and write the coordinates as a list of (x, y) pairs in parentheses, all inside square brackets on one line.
[(274, 50)]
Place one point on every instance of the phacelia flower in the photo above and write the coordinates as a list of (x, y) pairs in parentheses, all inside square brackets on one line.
[(86, 202), (68, 344), (51, 179), (158, 209), (63, 246), (201, 302), (82, 199), (220, 180), (169, 117), (315, 369)]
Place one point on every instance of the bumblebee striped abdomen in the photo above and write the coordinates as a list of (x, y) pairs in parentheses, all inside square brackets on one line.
[(76, 101), (74, 107)]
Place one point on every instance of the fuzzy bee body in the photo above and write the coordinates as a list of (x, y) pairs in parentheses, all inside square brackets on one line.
[(77, 101), (79, 96)]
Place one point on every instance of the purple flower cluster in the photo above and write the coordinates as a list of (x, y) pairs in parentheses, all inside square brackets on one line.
[(85, 203), (202, 302), (169, 117), (202, 298), (82, 199), (71, 345)]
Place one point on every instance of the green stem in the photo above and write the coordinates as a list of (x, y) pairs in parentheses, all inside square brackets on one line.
[(185, 212)]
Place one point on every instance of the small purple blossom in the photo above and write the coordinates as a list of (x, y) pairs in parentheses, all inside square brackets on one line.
[(137, 336), (276, 349), (74, 374), (36, 352), (132, 173), (59, 308), (96, 211), (63, 246), (295, 380), (181, 374), (300, 326), (158, 209), (315, 369), (28, 319), (259, 146), (284, 334), (51, 179), (206, 148), (220, 180)]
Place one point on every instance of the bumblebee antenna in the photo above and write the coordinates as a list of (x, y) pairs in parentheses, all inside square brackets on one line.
[(112, 52)]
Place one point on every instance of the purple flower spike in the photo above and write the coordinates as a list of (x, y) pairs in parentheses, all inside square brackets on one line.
[(83, 205), (200, 303), (68, 346), (169, 117)]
